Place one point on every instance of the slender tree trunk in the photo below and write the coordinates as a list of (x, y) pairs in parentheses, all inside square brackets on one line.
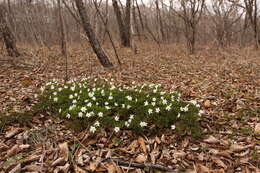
[(63, 39), (6, 34), (124, 28), (102, 57)]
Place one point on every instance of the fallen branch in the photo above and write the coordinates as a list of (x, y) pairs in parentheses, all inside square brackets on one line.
[(141, 165)]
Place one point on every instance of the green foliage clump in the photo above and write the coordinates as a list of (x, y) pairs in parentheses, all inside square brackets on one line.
[(96, 104)]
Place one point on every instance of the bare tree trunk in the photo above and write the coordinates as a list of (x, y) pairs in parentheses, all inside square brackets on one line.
[(102, 57), (159, 17), (63, 38), (124, 28), (6, 34)]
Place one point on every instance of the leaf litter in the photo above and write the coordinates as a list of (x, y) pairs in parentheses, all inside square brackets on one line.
[(225, 83)]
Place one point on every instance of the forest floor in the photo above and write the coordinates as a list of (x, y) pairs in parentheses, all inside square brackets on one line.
[(225, 82)]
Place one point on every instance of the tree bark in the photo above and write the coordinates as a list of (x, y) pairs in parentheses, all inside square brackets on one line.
[(102, 57), (124, 28), (6, 34)]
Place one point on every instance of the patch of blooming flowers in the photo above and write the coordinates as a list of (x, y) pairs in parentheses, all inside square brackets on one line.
[(102, 104)]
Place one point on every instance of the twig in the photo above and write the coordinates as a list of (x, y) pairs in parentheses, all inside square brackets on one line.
[(141, 165)]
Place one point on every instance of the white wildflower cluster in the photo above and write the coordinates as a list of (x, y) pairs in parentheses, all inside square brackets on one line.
[(98, 101)]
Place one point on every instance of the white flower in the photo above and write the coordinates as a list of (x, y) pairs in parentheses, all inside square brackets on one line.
[(143, 124), (162, 93), (66, 87), (35, 95), (55, 99), (112, 87), (164, 101), (94, 98), (89, 104), (157, 110), (76, 94), (60, 110), (110, 97), (107, 107), (97, 124), (128, 106), (42, 89), (116, 129), (129, 98), (91, 94), (100, 114), (74, 101), (88, 114), (72, 88), (178, 116), (123, 106), (127, 124), (92, 129), (155, 90), (80, 114), (146, 103), (168, 108), (173, 127), (52, 87), (150, 111), (154, 99), (131, 117), (106, 103), (72, 107), (71, 96), (201, 112), (185, 109), (68, 116), (55, 93), (116, 104), (194, 102), (86, 101), (153, 103), (116, 118), (83, 109)]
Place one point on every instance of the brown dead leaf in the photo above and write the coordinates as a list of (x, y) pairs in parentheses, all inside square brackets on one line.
[(31, 168), (141, 158), (13, 151), (142, 144), (92, 166), (211, 140), (220, 163), (207, 104), (257, 129), (202, 169), (58, 161), (64, 149), (12, 133), (238, 148), (179, 154)]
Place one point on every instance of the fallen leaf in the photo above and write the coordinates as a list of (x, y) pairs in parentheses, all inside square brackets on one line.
[(207, 104), (141, 158), (202, 169), (220, 163), (237, 148), (257, 129), (211, 140), (64, 149), (58, 161), (12, 133), (142, 144), (13, 151), (32, 168)]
